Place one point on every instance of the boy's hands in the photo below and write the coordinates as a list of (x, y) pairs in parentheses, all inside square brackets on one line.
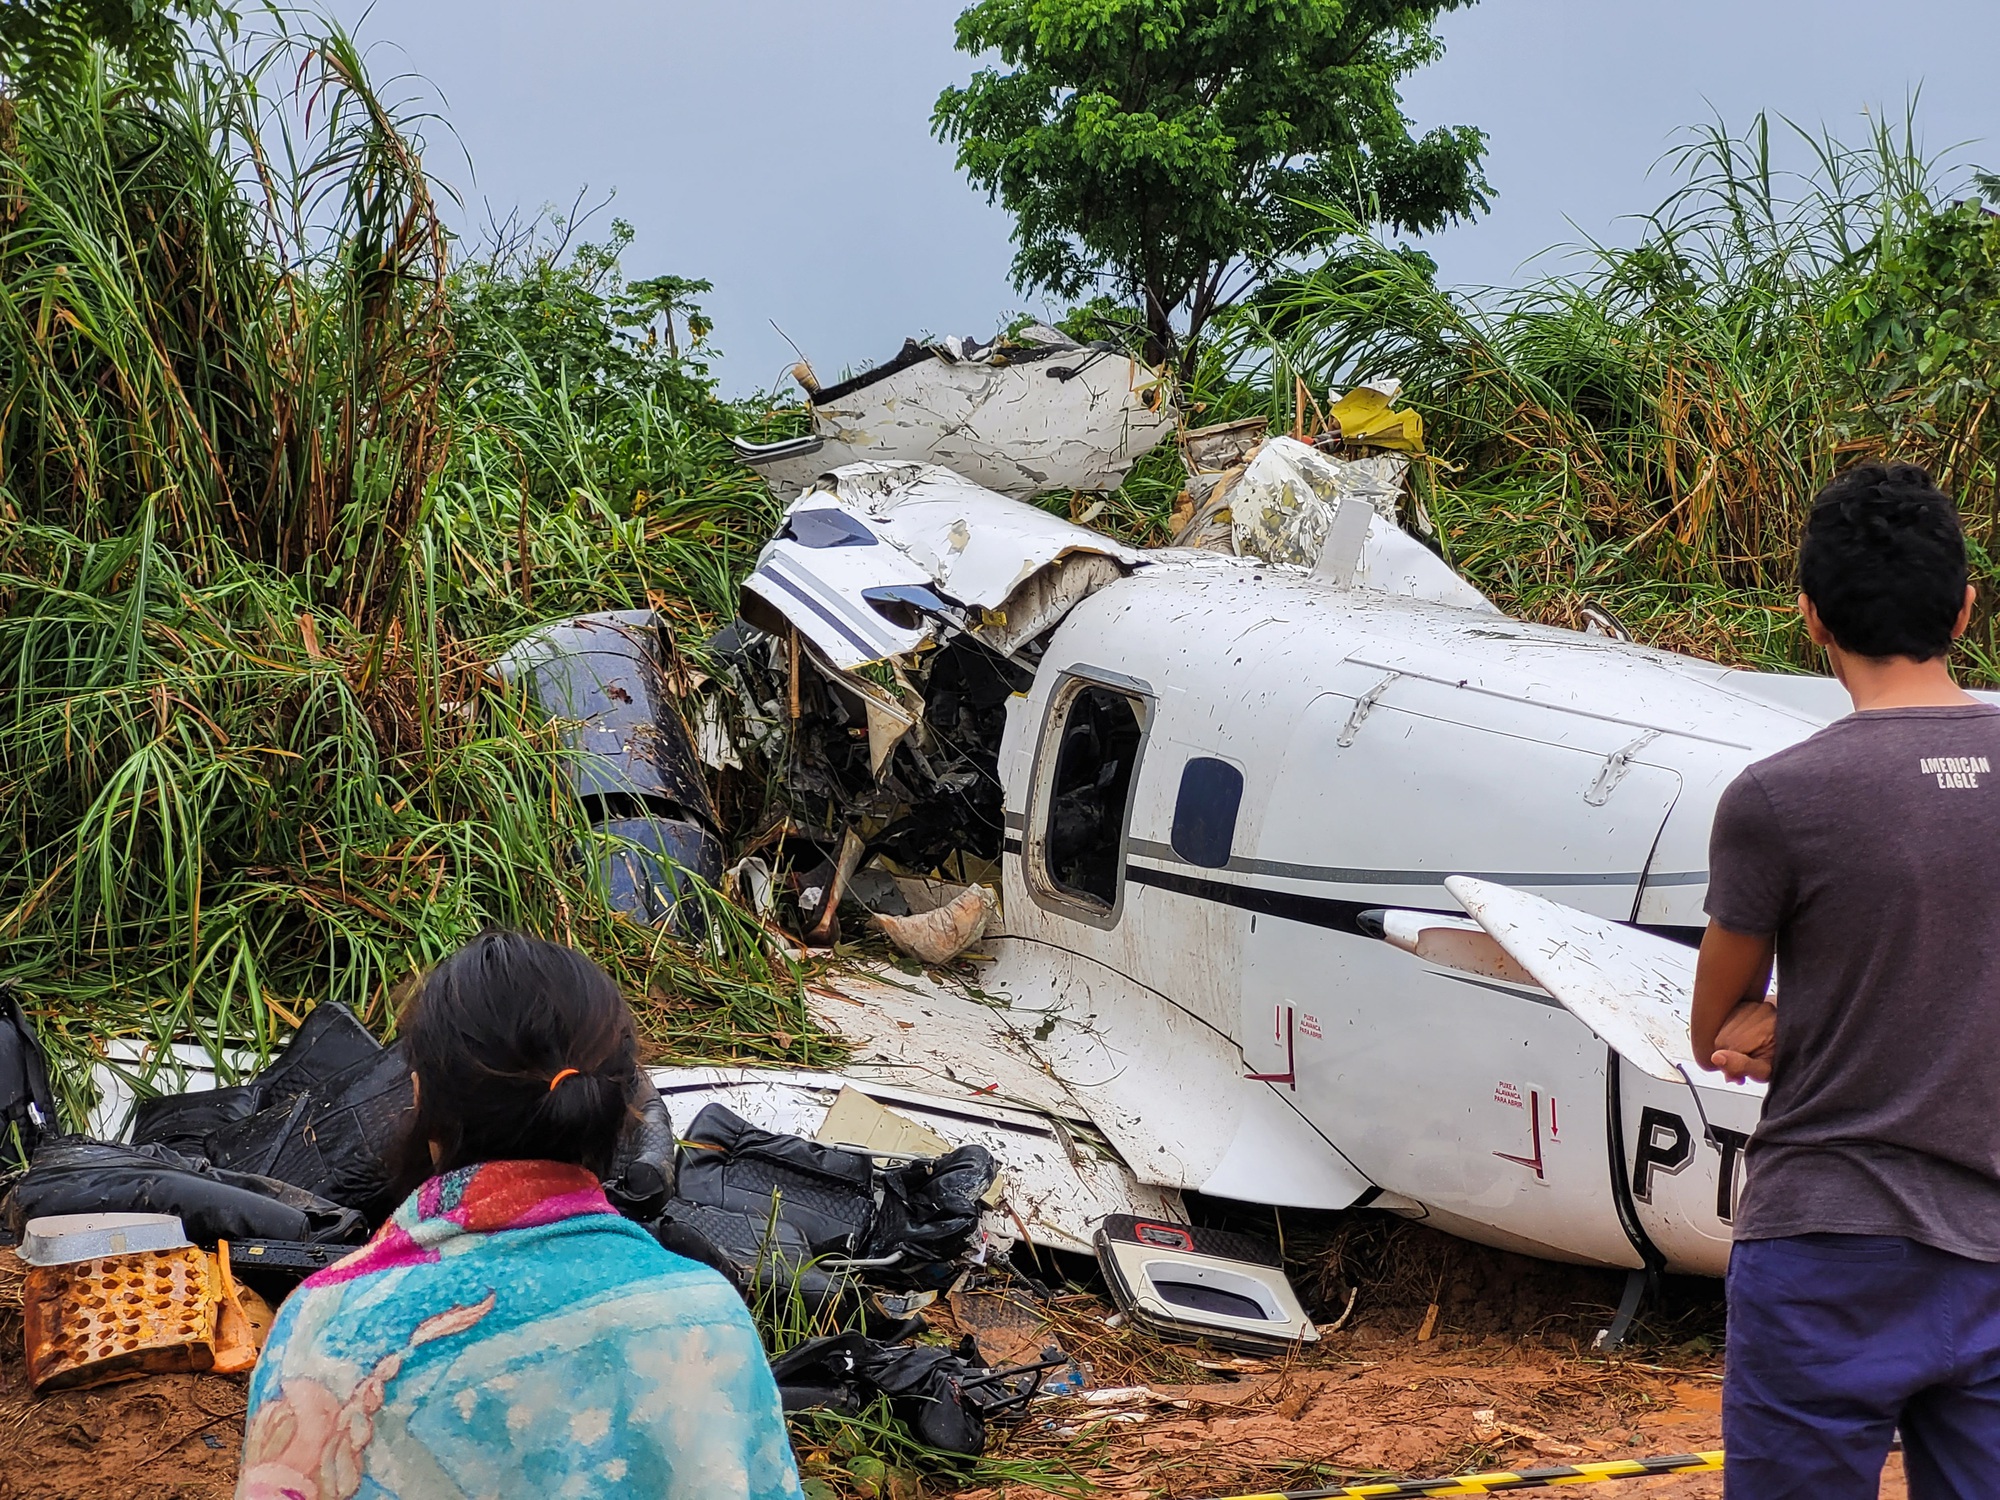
[(1733, 1028), (1745, 1041)]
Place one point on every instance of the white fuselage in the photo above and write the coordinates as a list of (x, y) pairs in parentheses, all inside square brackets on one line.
[(1237, 1025)]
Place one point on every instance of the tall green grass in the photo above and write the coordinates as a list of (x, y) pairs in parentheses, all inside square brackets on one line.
[(261, 536)]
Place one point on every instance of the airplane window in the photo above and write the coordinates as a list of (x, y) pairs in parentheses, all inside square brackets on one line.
[(1205, 811), (1084, 837), (826, 527)]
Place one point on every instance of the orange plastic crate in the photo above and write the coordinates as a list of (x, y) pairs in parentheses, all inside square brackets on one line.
[(102, 1320)]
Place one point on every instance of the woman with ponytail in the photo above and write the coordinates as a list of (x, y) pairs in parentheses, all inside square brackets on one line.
[(506, 1333)]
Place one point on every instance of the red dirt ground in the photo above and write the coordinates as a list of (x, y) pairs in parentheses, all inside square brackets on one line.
[(1372, 1401)]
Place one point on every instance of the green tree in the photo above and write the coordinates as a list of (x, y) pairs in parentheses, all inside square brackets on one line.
[(1164, 147), (43, 42), (541, 316)]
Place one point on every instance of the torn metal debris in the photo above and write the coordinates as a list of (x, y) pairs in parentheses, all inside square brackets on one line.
[(604, 679), (1020, 415)]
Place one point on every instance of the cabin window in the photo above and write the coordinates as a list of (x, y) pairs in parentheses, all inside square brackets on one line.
[(1080, 856), (1205, 812), (826, 527)]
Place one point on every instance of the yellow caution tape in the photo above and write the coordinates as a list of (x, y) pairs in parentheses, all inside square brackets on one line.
[(1507, 1479)]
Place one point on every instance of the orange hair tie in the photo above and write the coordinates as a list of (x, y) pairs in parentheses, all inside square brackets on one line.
[(565, 1073)]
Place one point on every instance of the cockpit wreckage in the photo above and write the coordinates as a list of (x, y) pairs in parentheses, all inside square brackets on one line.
[(1307, 877)]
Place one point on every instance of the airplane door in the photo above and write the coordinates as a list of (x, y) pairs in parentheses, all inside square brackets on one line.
[(1480, 1099)]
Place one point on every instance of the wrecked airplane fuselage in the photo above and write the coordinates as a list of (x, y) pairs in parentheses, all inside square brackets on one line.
[(1322, 885)]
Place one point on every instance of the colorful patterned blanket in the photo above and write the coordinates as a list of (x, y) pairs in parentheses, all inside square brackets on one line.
[(507, 1334)]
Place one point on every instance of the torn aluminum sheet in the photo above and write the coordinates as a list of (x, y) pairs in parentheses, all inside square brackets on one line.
[(1224, 446), (860, 1123), (602, 674), (1282, 507), (628, 755), (869, 565), (1043, 415), (1283, 504)]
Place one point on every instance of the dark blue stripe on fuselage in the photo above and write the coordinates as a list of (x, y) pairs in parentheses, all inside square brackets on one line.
[(1332, 913)]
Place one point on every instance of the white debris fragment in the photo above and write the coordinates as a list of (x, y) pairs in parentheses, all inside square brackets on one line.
[(939, 936), (1034, 414)]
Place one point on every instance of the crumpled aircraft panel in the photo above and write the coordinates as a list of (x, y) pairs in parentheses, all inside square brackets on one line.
[(868, 563), (1077, 420)]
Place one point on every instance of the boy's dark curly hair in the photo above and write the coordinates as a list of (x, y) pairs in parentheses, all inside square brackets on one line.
[(1883, 562)]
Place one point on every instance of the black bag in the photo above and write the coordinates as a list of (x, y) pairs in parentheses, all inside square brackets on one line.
[(341, 1139), (925, 1386), (330, 1042), (822, 1373), (79, 1176), (642, 1170), (183, 1122), (825, 1192), (27, 1104), (758, 1255), (908, 1223), (944, 1398), (928, 1212)]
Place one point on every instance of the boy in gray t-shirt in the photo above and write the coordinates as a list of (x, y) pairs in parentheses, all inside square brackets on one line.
[(1864, 1288)]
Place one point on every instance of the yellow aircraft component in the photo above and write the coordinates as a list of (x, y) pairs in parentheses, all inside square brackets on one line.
[(1365, 416)]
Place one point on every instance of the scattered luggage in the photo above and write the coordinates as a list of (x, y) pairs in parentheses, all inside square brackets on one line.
[(945, 1397), (73, 1175), (341, 1138), (905, 1225), (165, 1255), (331, 1041)]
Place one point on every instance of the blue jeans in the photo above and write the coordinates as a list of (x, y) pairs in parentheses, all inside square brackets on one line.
[(1838, 1340)]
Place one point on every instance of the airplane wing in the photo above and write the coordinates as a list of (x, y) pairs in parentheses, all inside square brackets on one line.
[(1634, 995), (1635, 990)]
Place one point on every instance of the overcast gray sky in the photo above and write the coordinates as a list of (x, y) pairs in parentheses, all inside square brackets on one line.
[(782, 148)]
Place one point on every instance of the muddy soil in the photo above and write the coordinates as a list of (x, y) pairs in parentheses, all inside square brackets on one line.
[(165, 1435), (1374, 1400), (1379, 1413), (1455, 1359)]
